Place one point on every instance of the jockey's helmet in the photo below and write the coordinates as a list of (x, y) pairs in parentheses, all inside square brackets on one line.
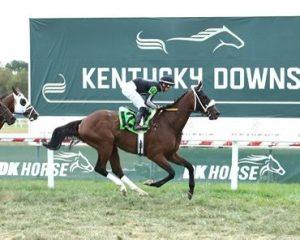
[(169, 80)]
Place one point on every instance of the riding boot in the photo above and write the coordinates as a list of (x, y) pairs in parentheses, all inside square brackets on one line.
[(141, 114)]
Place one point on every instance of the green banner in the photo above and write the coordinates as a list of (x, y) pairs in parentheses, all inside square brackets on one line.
[(276, 165), (250, 66)]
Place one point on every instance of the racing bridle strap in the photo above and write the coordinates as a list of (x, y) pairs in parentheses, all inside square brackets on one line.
[(31, 111), (197, 99), (28, 108)]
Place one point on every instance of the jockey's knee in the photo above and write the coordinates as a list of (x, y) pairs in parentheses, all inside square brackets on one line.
[(143, 110)]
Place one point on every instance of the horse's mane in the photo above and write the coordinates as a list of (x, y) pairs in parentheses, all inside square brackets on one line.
[(207, 33), (254, 159), (176, 101), (67, 155)]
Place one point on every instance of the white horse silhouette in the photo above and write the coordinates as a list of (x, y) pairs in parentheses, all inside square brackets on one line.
[(152, 44), (78, 160), (269, 163)]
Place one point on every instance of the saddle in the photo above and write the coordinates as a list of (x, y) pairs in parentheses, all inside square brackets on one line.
[(127, 118)]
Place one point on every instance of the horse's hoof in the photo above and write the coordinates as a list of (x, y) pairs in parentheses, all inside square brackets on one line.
[(190, 195), (47, 145), (149, 182), (123, 191), (143, 193)]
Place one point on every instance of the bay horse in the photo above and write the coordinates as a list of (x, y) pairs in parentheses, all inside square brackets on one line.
[(6, 116), (101, 130), (17, 103)]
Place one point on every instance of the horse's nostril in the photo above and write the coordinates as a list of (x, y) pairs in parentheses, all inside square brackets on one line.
[(35, 116)]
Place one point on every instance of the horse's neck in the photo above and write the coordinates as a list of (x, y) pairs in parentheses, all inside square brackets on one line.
[(9, 102), (178, 119), (268, 162)]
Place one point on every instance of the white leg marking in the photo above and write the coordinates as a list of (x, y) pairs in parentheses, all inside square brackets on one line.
[(118, 182), (132, 186)]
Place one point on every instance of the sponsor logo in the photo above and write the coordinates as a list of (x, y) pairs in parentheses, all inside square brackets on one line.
[(64, 164), (97, 78), (225, 36), (267, 163), (251, 168), (76, 160), (235, 78)]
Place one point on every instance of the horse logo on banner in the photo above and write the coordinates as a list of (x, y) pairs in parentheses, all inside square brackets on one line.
[(76, 160), (268, 163), (225, 36)]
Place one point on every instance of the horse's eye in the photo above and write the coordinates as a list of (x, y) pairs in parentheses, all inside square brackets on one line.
[(23, 102)]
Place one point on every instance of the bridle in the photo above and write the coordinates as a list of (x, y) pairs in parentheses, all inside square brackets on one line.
[(197, 100), (30, 107)]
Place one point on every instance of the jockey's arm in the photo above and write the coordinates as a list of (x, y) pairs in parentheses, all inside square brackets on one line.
[(149, 102)]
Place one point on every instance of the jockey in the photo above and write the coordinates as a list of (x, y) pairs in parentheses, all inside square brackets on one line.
[(141, 92)]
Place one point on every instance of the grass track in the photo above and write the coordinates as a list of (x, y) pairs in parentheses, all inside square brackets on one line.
[(87, 209)]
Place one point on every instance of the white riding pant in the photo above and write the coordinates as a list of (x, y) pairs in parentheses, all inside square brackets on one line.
[(129, 90)]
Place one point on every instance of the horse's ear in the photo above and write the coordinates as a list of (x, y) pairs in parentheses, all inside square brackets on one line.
[(15, 90), (199, 86)]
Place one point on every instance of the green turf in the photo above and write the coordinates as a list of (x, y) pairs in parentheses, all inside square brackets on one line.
[(89, 209)]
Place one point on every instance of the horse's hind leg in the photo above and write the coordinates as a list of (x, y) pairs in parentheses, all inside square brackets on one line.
[(175, 158), (117, 170), (161, 161), (103, 156)]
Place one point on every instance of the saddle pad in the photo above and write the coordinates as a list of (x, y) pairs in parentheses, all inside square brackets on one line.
[(127, 119)]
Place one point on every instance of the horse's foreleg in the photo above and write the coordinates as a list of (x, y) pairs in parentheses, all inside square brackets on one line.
[(103, 156), (161, 161), (117, 169), (175, 158)]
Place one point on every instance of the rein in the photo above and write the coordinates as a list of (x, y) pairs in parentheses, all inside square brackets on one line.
[(31, 110), (171, 109), (196, 99)]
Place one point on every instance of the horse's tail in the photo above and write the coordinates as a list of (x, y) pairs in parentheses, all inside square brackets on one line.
[(60, 133)]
